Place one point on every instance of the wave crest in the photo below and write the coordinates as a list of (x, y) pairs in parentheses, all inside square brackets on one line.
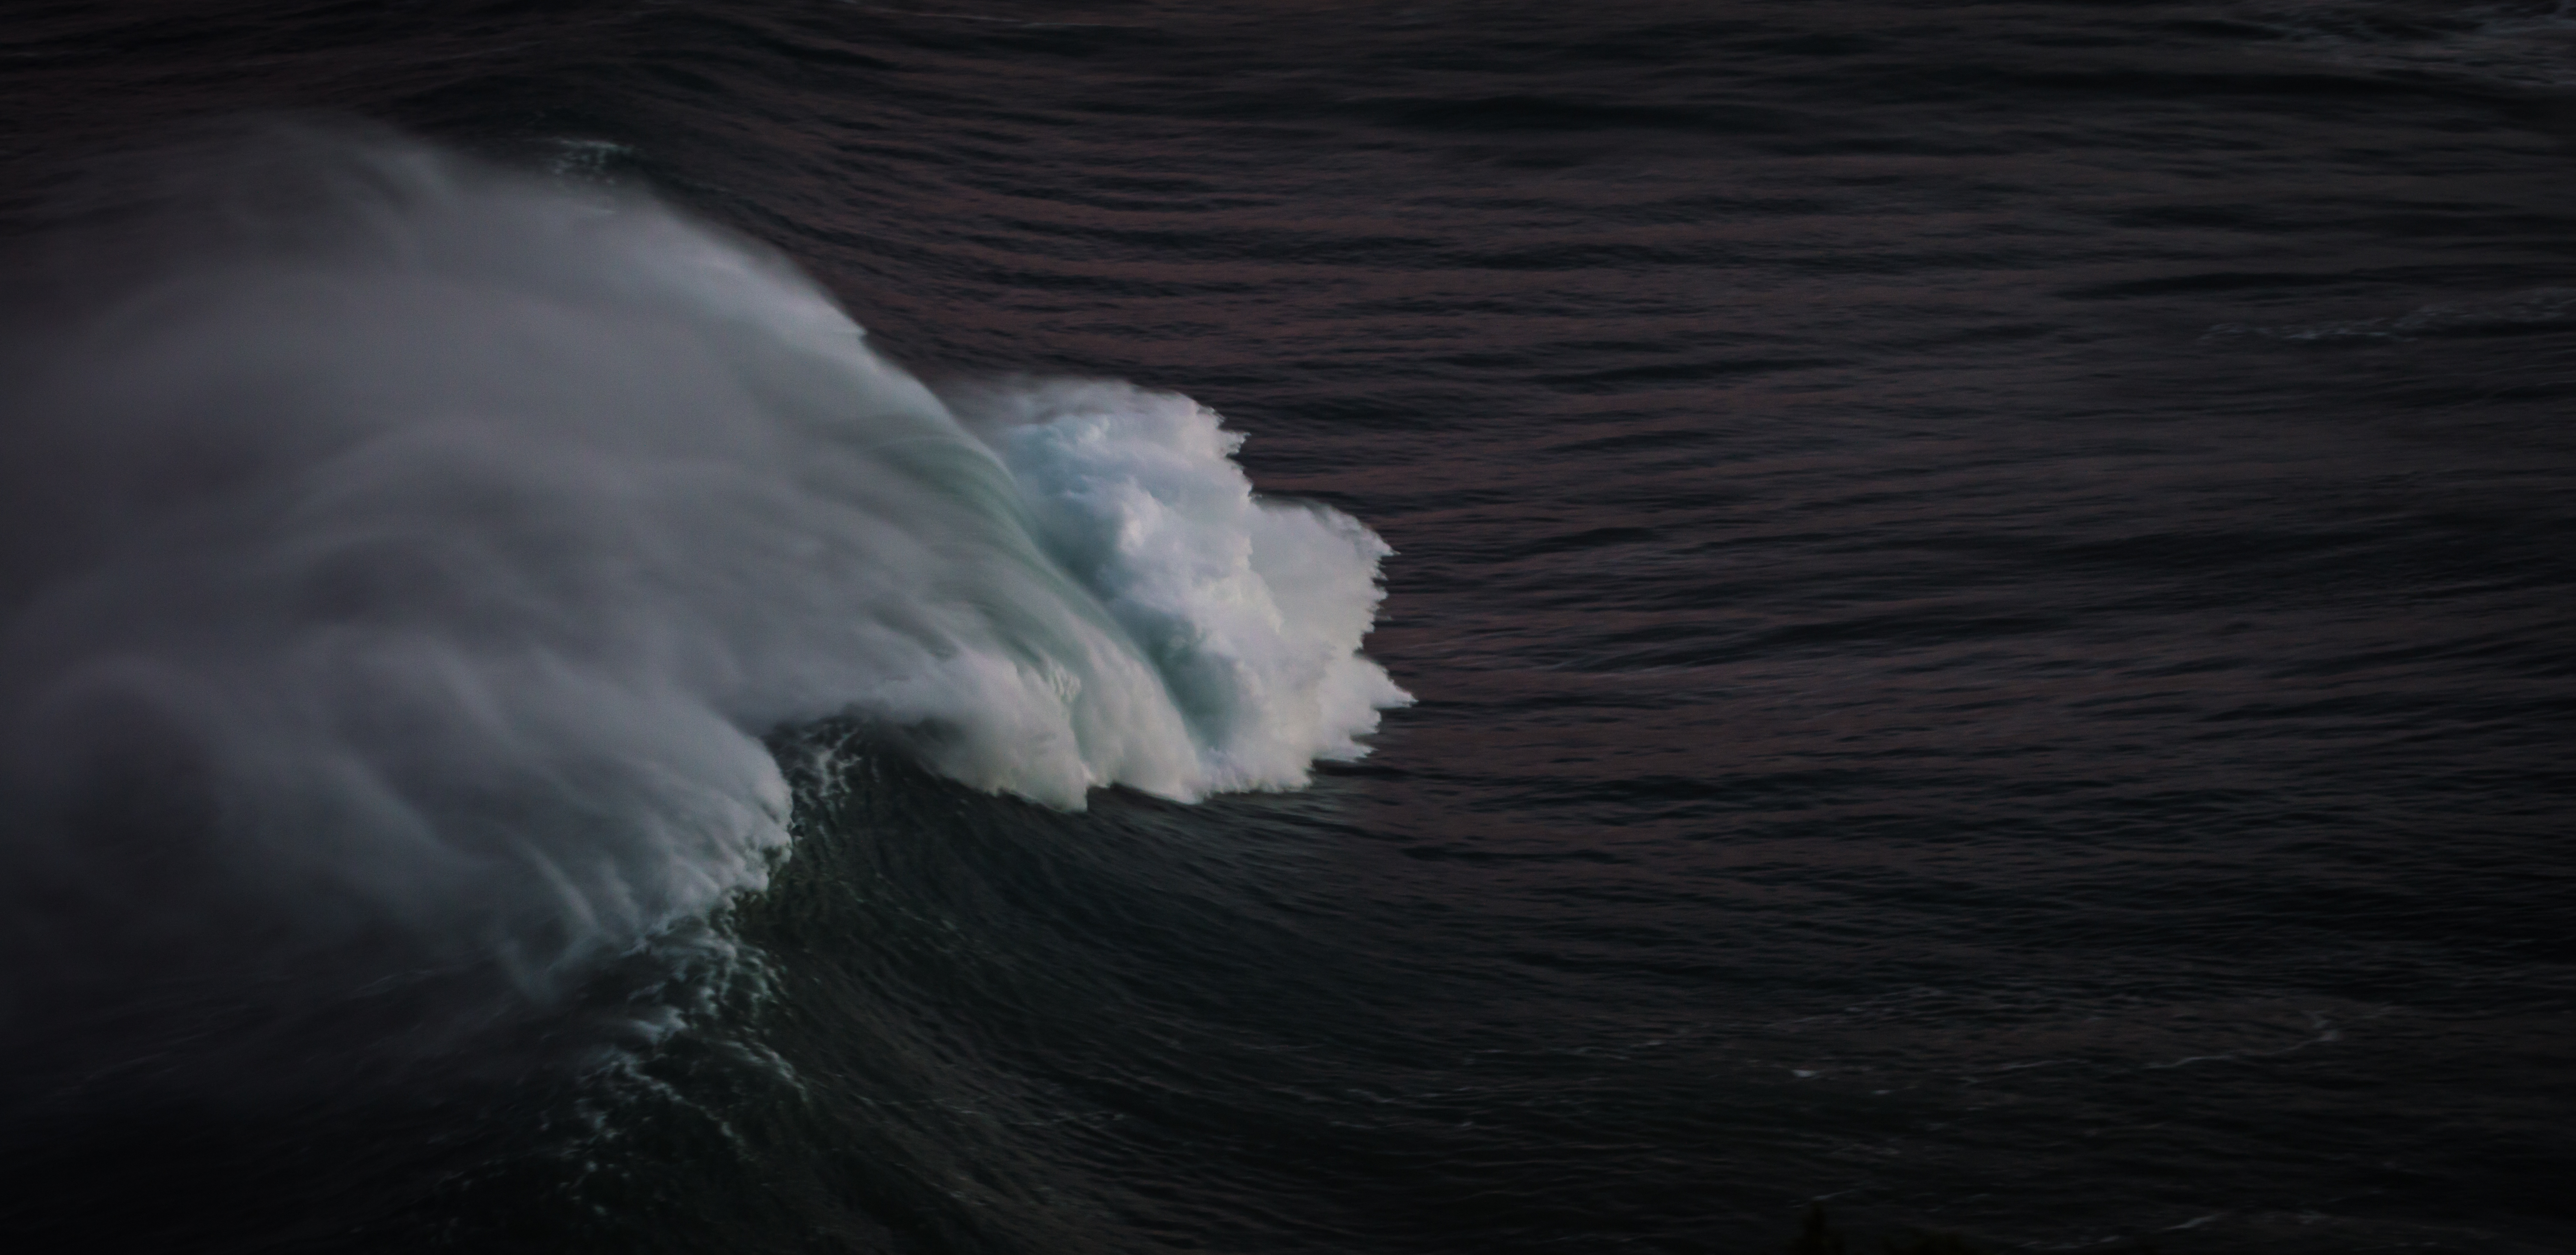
[(415, 560)]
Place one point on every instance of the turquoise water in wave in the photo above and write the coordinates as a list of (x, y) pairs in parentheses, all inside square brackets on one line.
[(1985, 590)]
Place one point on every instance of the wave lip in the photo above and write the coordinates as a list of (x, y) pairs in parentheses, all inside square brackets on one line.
[(1252, 611), (402, 577)]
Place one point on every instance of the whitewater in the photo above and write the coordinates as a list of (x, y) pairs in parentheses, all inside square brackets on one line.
[(406, 558)]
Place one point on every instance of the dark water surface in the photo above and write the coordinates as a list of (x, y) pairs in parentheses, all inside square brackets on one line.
[(1990, 588)]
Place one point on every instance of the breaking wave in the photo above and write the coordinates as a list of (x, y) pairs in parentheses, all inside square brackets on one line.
[(402, 561)]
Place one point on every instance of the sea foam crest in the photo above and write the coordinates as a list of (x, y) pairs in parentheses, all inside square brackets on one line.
[(413, 561)]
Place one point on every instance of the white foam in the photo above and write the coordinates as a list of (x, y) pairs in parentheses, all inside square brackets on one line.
[(1252, 611)]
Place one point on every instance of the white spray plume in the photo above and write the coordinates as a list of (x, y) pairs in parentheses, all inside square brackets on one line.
[(415, 557)]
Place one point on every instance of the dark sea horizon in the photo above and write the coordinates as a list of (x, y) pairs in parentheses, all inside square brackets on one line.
[(1985, 590)]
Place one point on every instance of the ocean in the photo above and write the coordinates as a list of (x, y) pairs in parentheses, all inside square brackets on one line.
[(1413, 628)]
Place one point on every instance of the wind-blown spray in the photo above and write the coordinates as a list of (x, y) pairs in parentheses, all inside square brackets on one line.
[(400, 575)]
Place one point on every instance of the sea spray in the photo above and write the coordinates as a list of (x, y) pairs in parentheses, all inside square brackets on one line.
[(403, 559)]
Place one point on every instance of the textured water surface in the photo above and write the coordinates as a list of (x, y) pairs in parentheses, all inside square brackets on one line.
[(1988, 587)]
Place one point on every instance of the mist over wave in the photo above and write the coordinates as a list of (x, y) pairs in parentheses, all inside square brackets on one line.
[(401, 571)]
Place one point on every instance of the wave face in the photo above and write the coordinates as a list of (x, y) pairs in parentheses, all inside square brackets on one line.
[(401, 573)]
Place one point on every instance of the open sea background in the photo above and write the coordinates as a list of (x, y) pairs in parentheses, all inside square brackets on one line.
[(1990, 587)]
